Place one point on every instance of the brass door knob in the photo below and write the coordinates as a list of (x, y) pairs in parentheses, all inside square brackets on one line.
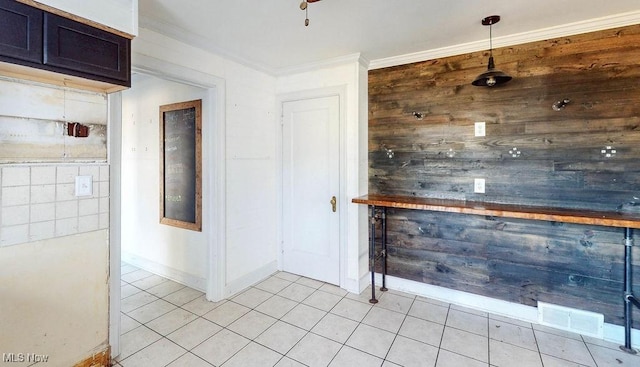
[(333, 203)]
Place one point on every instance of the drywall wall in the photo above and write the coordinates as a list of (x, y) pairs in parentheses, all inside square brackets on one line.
[(248, 243), (178, 253), (54, 245)]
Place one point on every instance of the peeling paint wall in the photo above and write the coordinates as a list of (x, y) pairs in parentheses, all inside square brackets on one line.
[(54, 246)]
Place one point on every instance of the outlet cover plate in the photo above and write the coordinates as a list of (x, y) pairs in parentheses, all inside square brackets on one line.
[(478, 185), (84, 185), (480, 129)]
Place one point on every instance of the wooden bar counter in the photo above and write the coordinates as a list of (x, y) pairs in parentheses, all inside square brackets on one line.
[(577, 216)]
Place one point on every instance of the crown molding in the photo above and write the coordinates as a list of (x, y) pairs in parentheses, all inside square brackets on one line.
[(324, 64), (569, 29)]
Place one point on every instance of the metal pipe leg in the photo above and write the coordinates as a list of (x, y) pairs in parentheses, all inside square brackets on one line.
[(629, 299), (372, 252), (384, 250)]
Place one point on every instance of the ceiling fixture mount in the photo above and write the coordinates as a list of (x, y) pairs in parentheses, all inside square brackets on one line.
[(304, 6), (492, 76)]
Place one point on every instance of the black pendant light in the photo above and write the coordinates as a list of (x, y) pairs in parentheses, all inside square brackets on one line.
[(492, 76)]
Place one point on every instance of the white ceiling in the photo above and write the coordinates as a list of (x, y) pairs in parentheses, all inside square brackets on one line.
[(270, 34)]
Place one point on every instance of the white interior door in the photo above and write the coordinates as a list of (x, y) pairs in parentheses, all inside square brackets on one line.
[(311, 143)]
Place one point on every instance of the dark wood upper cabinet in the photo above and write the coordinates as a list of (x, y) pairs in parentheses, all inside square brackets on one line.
[(34, 38), (84, 49), (20, 32)]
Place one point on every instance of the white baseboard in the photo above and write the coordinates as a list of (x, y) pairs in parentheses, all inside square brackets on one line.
[(612, 333), (190, 280), (250, 279)]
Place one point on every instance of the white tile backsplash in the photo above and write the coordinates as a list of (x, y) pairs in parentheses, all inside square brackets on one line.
[(66, 209), (16, 176), (43, 175), (66, 174), (43, 212), (38, 202), (43, 194), (15, 195)]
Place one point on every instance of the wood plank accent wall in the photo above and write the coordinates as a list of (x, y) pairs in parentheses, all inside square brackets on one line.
[(531, 155)]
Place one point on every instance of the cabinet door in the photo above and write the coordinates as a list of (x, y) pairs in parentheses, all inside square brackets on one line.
[(86, 50), (21, 35)]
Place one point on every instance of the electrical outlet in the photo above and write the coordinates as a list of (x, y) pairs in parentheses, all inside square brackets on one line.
[(480, 129), (478, 185), (84, 185)]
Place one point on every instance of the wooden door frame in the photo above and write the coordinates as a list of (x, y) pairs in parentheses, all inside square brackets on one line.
[(340, 92)]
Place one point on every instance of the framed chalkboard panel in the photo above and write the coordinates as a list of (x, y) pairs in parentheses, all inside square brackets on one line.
[(181, 165)]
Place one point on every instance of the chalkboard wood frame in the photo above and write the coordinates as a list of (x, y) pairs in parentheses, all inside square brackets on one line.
[(181, 165)]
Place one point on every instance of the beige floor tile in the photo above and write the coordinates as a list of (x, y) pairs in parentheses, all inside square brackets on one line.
[(252, 324), (564, 348), (422, 331), (395, 302), (151, 311), (351, 309), (184, 295), (468, 322), (322, 300), (371, 340), (254, 355), (220, 347), (252, 297), (433, 301), (281, 337), (333, 289), (276, 306), (157, 354), (365, 296), (605, 356), (135, 340), (411, 353), (558, 332), (286, 276), (465, 343), (194, 333), (314, 350), (303, 316), (429, 311), (513, 334), (201, 305), (226, 313), (189, 360), (334, 327), (510, 320), (312, 283), (127, 324), (550, 361), (384, 319), (469, 310), (127, 268), (148, 282), (273, 284), (128, 290), (171, 321), (450, 359), (288, 362), (350, 357), (296, 292), (391, 364), (135, 301), (165, 289), (506, 355), (135, 275)]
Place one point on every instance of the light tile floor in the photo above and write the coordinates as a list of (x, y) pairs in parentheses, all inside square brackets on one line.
[(290, 321)]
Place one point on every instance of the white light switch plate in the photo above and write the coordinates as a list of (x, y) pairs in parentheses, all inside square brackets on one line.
[(84, 185), (480, 129), (478, 185)]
